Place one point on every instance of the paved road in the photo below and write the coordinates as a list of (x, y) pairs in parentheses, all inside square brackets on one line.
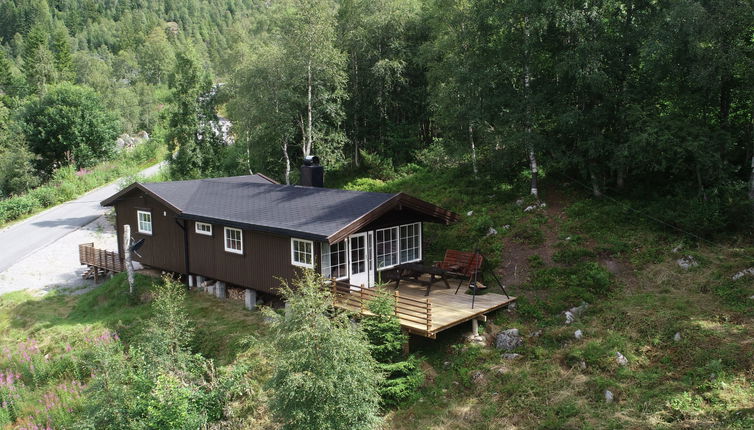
[(28, 236)]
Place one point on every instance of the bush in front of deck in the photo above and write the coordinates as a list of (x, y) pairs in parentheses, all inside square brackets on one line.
[(403, 375)]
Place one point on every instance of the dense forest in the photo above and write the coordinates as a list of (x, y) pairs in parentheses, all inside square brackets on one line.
[(633, 98)]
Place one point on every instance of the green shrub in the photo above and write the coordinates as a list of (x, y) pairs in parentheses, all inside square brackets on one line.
[(528, 234), (571, 254), (535, 261), (365, 184)]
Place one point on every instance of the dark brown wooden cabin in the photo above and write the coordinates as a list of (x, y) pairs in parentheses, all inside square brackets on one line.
[(250, 231)]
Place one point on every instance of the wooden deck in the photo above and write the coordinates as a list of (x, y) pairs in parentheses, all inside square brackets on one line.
[(425, 315)]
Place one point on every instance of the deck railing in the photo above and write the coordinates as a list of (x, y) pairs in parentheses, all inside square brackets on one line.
[(415, 312), (107, 261)]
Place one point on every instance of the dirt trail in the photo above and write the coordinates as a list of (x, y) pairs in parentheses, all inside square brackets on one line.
[(515, 267)]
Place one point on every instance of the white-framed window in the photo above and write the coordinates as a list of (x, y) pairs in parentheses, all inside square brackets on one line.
[(144, 224), (335, 260), (203, 228), (233, 240), (410, 243), (302, 253), (386, 247)]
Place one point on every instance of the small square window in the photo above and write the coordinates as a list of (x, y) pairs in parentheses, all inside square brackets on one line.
[(144, 222), (302, 253), (234, 240), (203, 228)]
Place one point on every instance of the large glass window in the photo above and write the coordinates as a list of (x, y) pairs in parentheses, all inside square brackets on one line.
[(233, 240), (410, 242), (386, 247), (302, 253), (145, 222), (334, 260)]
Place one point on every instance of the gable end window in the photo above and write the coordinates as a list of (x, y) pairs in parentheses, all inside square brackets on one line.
[(144, 224), (203, 228), (233, 240), (302, 253)]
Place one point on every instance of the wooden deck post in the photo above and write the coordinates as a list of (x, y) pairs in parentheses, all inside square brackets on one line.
[(361, 298), (429, 315), (397, 295)]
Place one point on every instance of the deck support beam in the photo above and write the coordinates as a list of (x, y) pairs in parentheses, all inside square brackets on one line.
[(250, 299)]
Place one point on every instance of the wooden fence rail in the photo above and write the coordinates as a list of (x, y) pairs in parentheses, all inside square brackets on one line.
[(99, 261), (414, 313)]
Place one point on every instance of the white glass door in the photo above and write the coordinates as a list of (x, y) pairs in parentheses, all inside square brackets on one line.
[(360, 260)]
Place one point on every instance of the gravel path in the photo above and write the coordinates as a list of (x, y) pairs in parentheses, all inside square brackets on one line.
[(57, 264)]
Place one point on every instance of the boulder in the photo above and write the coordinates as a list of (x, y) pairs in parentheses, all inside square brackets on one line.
[(570, 318), (677, 337), (741, 274), (609, 396), (500, 369), (621, 359), (469, 213), (508, 340), (478, 378), (578, 334), (687, 262), (511, 356)]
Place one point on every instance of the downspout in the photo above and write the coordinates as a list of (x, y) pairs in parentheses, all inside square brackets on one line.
[(185, 246)]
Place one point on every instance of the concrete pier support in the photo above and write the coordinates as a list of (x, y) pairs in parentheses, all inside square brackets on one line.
[(250, 299), (475, 327), (221, 291), (191, 281)]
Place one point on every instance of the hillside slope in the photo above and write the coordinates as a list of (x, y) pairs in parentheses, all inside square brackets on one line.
[(572, 250)]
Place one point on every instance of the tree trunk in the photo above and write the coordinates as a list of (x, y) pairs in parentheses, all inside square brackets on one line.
[(287, 162), (527, 104), (473, 150), (620, 180), (700, 182), (595, 184), (751, 176), (127, 257), (308, 143), (534, 171)]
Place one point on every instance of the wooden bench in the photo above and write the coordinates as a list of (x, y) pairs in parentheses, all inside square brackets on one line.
[(461, 264)]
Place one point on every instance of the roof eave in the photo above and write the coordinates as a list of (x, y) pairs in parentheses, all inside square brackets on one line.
[(253, 227), (441, 215), (136, 185)]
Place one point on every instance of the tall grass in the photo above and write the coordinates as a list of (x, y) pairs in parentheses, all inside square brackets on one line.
[(67, 183)]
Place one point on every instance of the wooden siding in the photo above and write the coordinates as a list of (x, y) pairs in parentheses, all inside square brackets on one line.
[(163, 249), (266, 257)]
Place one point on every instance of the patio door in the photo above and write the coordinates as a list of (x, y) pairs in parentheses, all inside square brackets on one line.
[(360, 263)]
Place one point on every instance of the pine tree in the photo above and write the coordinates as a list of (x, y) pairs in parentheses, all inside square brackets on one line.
[(61, 47), (324, 377)]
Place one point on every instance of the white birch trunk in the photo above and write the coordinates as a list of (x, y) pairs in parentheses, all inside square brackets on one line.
[(309, 139), (527, 102), (127, 257), (287, 163), (473, 151)]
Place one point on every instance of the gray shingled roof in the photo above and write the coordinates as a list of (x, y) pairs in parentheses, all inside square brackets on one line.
[(254, 203)]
